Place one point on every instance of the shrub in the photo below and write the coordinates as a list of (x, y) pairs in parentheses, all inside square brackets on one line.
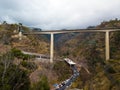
[(42, 84), (11, 76), (17, 53), (29, 65)]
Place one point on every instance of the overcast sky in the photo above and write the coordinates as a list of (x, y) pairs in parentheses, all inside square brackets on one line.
[(59, 14)]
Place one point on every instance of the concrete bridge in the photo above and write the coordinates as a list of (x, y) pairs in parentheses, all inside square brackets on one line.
[(53, 32)]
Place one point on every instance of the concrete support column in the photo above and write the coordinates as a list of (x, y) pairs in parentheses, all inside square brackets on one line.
[(107, 45), (20, 35), (51, 48)]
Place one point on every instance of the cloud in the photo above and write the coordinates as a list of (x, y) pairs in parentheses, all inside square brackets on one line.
[(59, 14)]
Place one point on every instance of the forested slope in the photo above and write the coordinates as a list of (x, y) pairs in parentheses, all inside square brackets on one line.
[(20, 72), (89, 49)]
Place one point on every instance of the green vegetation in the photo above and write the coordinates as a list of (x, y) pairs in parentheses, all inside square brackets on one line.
[(89, 48), (16, 77), (20, 72), (16, 67), (62, 70), (17, 53), (12, 76), (29, 65), (115, 45), (42, 84)]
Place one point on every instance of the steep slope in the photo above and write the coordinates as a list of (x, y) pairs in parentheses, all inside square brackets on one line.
[(32, 43), (90, 48), (17, 68)]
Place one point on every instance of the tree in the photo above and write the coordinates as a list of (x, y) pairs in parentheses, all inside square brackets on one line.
[(42, 84), (12, 77)]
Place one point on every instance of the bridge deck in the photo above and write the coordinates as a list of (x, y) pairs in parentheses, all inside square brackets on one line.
[(73, 31)]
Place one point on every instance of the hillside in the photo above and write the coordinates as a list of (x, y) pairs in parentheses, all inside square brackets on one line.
[(89, 48), (15, 67), (22, 72), (78, 43), (32, 43)]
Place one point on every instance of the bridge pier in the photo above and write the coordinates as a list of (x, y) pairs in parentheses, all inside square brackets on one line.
[(20, 31), (51, 47), (107, 45), (20, 35)]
